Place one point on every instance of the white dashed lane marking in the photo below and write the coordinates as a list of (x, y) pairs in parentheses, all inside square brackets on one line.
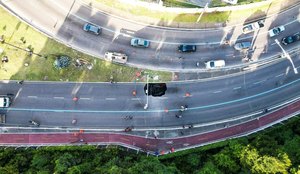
[(279, 75), (85, 98), (30, 96), (58, 97), (110, 98), (217, 92), (237, 88), (259, 82)]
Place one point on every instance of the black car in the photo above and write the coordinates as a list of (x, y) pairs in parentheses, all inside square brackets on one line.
[(155, 89), (187, 48), (290, 39)]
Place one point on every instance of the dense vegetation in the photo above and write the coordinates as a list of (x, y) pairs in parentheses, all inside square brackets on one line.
[(275, 150)]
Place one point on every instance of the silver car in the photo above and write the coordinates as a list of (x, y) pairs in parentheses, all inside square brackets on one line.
[(242, 46), (138, 42), (92, 28)]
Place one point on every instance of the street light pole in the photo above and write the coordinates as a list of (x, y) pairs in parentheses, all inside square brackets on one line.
[(146, 105), (205, 8), (287, 56)]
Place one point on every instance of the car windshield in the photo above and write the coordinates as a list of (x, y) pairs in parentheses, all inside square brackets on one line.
[(188, 47), (290, 39), (88, 27), (212, 64), (275, 31)]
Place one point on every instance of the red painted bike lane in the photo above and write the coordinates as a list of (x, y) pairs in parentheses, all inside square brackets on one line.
[(147, 144)]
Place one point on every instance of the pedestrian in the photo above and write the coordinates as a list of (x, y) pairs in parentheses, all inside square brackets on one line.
[(128, 117), (20, 82), (178, 116), (266, 110), (74, 121), (182, 108), (4, 59), (185, 107)]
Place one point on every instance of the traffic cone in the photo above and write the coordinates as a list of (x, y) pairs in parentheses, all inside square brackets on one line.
[(187, 94), (134, 92)]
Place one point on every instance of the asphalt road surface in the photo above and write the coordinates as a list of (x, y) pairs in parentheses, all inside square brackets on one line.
[(104, 105), (64, 19)]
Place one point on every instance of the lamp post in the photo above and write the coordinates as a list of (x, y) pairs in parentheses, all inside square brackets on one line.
[(146, 105), (287, 56)]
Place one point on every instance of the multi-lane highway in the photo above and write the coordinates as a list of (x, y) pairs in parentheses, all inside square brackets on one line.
[(104, 105), (64, 20)]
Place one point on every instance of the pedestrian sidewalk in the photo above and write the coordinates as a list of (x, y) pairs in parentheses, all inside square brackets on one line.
[(274, 7), (201, 3)]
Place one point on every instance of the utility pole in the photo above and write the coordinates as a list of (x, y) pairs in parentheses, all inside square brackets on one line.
[(287, 56)]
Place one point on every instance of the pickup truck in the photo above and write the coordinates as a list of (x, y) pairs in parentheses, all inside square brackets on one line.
[(2, 118), (115, 57), (5, 101), (253, 26)]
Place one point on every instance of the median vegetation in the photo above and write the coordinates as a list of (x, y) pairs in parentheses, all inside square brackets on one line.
[(169, 17), (275, 150), (29, 55)]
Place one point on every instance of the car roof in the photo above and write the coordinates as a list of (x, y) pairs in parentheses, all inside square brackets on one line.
[(92, 27), (2, 101), (216, 63)]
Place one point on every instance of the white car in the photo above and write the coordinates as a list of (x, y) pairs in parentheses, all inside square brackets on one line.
[(214, 64), (248, 28), (5, 101), (276, 31)]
